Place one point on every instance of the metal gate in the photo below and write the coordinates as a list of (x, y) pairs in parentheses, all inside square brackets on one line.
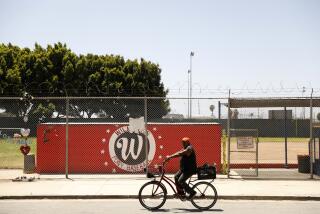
[(243, 152)]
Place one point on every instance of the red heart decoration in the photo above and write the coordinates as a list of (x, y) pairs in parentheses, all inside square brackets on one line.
[(25, 149)]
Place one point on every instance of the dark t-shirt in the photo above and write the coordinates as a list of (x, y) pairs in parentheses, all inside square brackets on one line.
[(188, 164)]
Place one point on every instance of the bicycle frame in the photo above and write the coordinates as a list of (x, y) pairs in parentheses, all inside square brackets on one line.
[(169, 182)]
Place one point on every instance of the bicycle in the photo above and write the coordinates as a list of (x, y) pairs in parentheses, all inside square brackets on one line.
[(153, 194)]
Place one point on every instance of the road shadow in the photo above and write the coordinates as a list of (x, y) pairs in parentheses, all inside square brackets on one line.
[(160, 210), (194, 210), (184, 210)]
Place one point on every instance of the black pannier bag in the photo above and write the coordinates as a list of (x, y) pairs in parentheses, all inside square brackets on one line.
[(206, 172)]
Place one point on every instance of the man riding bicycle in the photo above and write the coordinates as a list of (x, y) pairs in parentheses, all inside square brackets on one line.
[(188, 167)]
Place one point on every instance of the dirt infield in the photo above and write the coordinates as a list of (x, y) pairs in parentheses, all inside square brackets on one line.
[(269, 153)]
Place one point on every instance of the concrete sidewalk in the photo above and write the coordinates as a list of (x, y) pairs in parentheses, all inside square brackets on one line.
[(127, 186)]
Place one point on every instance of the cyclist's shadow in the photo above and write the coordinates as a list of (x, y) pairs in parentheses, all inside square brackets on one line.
[(184, 210), (194, 210)]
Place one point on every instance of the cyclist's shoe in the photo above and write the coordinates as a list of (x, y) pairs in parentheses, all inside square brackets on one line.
[(191, 195)]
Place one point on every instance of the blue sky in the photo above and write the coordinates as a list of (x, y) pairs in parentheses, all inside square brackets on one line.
[(238, 44)]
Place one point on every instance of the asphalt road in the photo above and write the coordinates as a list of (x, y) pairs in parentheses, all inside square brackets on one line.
[(172, 206)]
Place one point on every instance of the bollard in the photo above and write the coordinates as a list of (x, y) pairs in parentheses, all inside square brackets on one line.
[(29, 164)]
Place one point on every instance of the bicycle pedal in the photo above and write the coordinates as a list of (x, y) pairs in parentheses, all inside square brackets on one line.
[(183, 197)]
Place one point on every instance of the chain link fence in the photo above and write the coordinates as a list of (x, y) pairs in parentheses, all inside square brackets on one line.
[(284, 126), (82, 135), (95, 136)]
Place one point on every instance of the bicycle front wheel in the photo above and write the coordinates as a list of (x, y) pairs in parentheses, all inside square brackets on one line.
[(152, 195), (206, 196)]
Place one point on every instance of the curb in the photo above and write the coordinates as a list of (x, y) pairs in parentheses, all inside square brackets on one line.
[(224, 197), (273, 198)]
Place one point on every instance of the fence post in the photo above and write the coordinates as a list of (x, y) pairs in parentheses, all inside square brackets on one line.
[(257, 152), (224, 152), (219, 110), (285, 139), (311, 136), (228, 131), (67, 136), (146, 130)]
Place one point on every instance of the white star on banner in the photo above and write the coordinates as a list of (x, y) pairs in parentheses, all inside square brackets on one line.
[(103, 140), (160, 156), (102, 151), (114, 170), (154, 129), (159, 137), (108, 131), (106, 163), (161, 146)]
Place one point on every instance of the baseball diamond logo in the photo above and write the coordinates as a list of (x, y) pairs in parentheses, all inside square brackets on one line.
[(128, 149)]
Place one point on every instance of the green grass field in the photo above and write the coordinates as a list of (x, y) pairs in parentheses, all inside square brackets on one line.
[(277, 139), (10, 155)]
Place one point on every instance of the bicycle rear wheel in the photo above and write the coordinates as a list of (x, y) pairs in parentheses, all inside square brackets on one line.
[(206, 196), (152, 195)]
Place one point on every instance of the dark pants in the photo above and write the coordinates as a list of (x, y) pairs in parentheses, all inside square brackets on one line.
[(180, 179)]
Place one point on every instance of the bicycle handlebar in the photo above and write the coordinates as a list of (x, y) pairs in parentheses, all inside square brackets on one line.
[(163, 165), (161, 169)]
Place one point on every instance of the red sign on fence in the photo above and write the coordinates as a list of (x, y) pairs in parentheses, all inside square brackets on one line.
[(114, 148)]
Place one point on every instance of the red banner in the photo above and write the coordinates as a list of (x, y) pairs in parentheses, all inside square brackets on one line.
[(113, 148)]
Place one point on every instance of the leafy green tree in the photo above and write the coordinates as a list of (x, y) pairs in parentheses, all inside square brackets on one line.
[(55, 71)]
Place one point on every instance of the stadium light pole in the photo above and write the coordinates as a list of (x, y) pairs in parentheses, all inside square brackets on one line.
[(190, 72)]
